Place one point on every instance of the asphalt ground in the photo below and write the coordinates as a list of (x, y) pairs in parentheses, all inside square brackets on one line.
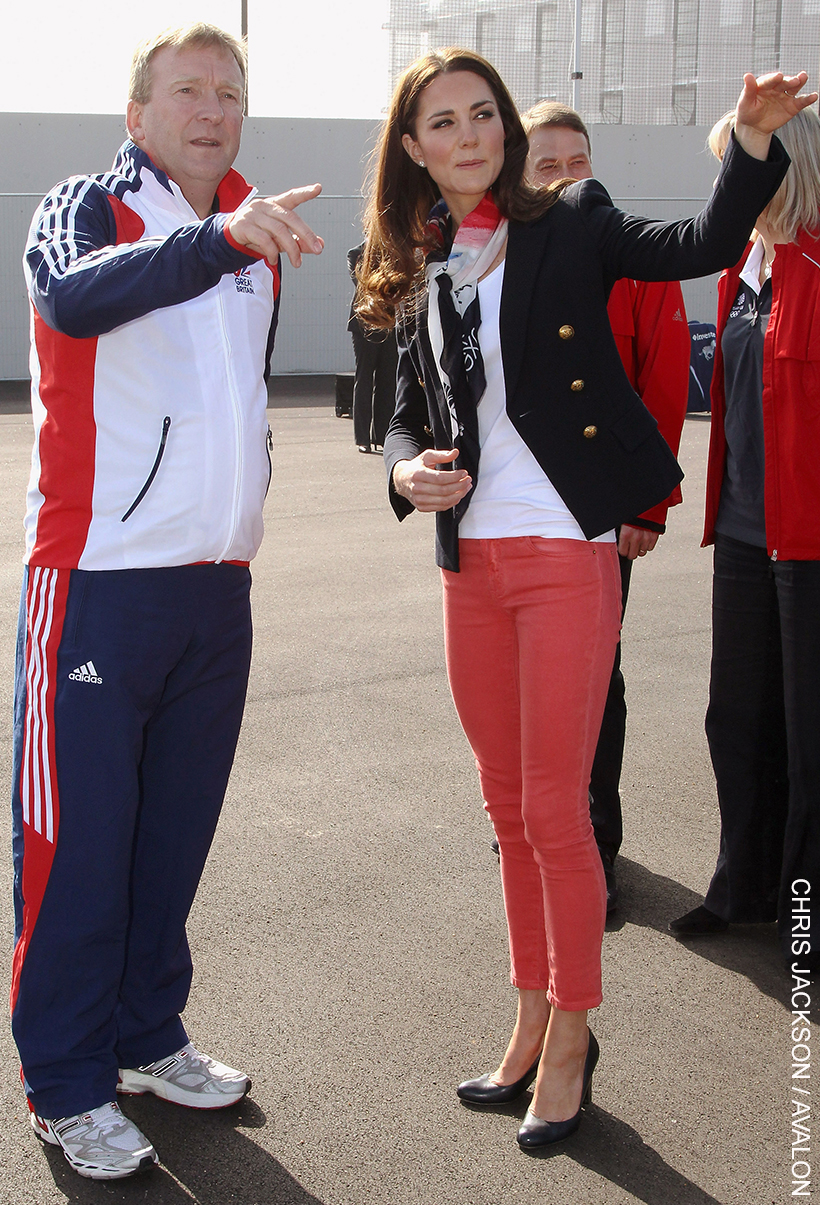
[(348, 936)]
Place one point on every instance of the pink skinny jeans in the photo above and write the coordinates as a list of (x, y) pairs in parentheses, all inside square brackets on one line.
[(531, 626)]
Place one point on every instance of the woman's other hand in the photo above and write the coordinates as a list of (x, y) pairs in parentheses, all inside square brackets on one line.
[(423, 484), (766, 104), (635, 541)]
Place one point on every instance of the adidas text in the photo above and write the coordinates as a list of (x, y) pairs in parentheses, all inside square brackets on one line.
[(85, 673)]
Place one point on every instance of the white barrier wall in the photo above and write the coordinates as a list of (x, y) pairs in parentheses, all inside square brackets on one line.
[(659, 171)]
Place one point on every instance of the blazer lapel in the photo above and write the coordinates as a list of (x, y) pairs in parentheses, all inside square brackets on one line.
[(525, 250)]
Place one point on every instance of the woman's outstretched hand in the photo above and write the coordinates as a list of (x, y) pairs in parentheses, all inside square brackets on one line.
[(766, 104), (423, 484)]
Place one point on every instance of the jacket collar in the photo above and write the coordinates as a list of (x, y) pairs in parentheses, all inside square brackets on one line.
[(132, 162)]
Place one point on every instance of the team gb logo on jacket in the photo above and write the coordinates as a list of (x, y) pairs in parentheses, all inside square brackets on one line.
[(243, 280)]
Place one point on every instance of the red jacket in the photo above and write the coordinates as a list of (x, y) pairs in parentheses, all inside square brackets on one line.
[(649, 325), (791, 404)]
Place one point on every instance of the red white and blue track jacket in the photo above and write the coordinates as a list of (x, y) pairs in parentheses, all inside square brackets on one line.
[(151, 338)]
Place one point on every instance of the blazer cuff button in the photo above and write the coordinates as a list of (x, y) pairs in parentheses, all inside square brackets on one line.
[(590, 432)]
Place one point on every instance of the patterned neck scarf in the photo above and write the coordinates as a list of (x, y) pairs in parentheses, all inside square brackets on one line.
[(457, 268)]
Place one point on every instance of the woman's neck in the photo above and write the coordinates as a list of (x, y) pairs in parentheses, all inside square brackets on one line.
[(770, 237)]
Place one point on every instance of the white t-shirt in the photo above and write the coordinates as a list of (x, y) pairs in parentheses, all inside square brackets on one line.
[(514, 497)]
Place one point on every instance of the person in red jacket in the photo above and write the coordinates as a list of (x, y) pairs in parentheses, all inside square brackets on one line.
[(763, 517), (648, 321)]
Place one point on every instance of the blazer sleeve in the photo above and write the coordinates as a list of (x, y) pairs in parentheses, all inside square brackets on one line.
[(409, 432), (713, 239)]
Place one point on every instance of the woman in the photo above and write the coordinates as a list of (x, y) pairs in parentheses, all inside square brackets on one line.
[(763, 516), (510, 311)]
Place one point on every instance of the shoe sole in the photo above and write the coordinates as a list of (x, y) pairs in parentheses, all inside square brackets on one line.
[(91, 1171), (142, 1085)]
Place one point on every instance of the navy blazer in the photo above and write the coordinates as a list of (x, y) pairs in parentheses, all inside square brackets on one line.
[(567, 393)]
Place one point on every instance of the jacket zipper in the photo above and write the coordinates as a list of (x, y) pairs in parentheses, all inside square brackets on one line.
[(269, 444), (166, 426), (237, 422)]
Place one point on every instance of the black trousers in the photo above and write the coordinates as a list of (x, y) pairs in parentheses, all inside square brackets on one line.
[(604, 794), (763, 727), (374, 387)]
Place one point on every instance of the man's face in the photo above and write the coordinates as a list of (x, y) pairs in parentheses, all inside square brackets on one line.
[(556, 152), (191, 126)]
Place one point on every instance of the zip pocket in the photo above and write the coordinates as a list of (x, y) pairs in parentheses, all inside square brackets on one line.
[(166, 426)]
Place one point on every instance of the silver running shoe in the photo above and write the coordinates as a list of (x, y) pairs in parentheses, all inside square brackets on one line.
[(100, 1145), (187, 1078)]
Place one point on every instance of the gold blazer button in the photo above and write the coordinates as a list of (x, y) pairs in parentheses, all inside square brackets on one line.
[(590, 432), (565, 332), (577, 386)]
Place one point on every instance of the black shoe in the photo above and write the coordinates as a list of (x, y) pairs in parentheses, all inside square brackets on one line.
[(495, 848), (483, 1091), (700, 922), (608, 861), (534, 1132)]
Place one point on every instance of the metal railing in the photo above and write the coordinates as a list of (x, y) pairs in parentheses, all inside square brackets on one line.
[(312, 335)]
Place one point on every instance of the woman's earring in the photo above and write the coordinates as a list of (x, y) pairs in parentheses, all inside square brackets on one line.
[(421, 163)]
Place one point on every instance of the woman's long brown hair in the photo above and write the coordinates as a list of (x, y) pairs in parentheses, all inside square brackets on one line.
[(402, 194)]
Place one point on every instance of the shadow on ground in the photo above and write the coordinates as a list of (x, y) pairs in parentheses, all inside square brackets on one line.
[(652, 900), (207, 1158), (614, 1151)]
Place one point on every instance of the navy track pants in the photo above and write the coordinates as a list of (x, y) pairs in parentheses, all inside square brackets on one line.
[(128, 703)]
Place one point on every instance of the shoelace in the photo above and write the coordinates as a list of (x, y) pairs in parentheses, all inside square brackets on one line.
[(113, 1120)]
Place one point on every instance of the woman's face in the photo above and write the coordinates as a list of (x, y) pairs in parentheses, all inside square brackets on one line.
[(459, 138)]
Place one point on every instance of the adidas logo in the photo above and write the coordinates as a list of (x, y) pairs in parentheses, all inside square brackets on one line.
[(85, 673), (677, 316)]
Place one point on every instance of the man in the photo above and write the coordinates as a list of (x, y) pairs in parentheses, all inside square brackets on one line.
[(155, 291), (649, 325)]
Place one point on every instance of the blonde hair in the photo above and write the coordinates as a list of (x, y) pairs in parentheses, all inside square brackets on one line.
[(198, 34), (796, 204)]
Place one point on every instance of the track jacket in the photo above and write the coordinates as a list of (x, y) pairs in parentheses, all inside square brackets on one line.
[(151, 339), (791, 403), (648, 320)]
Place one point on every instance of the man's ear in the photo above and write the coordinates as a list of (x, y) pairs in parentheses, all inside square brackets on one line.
[(133, 121)]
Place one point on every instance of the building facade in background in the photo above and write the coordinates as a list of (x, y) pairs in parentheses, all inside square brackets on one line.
[(644, 62)]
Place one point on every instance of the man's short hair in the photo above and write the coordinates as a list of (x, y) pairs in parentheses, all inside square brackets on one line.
[(198, 34), (550, 113)]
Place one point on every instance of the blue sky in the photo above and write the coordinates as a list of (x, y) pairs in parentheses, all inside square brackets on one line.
[(311, 58)]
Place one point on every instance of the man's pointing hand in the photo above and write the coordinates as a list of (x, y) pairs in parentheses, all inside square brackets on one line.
[(268, 226)]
